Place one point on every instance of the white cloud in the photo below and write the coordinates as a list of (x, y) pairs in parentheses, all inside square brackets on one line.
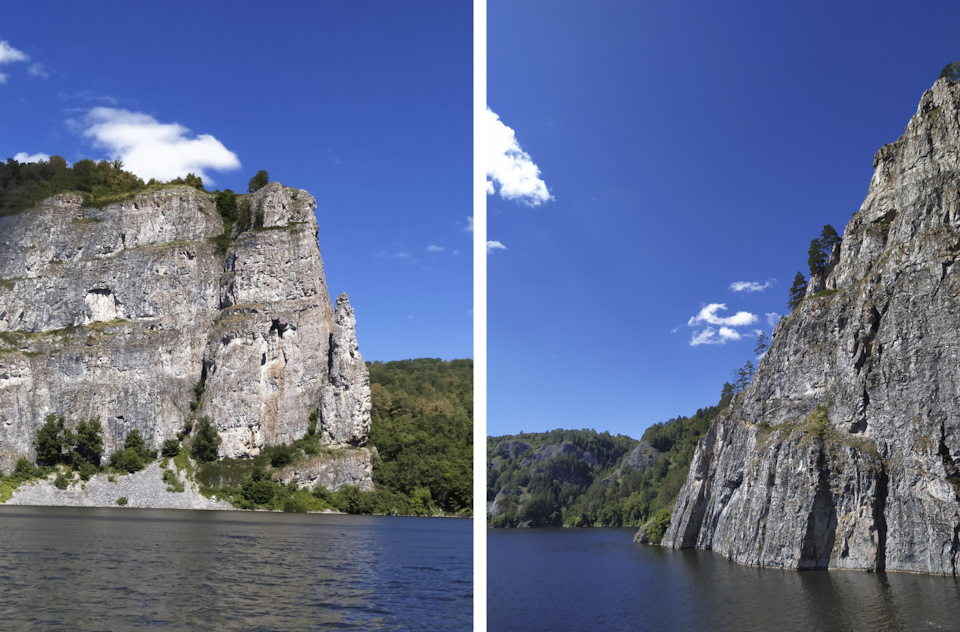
[(435, 248), (729, 334), (494, 245), (469, 226), (25, 157), (709, 315), (750, 286), (9, 55), (706, 337), (711, 336), (152, 149), (509, 167), (772, 318)]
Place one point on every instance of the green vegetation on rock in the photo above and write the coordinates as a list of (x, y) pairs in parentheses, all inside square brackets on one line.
[(24, 185)]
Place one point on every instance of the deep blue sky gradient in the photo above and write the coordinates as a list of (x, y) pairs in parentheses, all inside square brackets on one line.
[(688, 145)]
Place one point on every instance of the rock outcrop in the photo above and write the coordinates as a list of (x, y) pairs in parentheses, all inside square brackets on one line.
[(127, 312), (843, 451)]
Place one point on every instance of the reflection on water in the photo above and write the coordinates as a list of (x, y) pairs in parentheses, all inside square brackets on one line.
[(564, 579), (109, 569)]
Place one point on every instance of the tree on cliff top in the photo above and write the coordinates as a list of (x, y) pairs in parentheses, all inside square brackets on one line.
[(258, 181), (951, 72)]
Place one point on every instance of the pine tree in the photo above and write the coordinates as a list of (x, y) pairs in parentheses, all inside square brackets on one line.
[(258, 181), (797, 291)]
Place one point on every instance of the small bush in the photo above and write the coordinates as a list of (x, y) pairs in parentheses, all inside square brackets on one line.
[(259, 489), (174, 484), (658, 527), (122, 501), (128, 460), (312, 425), (282, 455), (62, 481), (87, 470), (170, 449)]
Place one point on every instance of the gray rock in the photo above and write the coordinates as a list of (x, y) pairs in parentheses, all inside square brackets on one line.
[(119, 312), (843, 451), (141, 489), (345, 399)]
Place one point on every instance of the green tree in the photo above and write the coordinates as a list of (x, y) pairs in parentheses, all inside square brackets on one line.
[(89, 441), (951, 72), (226, 202), (743, 376), (258, 181), (206, 441), (52, 439), (820, 250), (797, 291), (763, 343)]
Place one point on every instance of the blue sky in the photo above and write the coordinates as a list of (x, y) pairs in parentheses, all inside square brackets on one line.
[(684, 147), (366, 105)]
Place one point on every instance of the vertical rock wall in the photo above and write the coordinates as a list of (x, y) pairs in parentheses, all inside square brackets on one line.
[(119, 312), (843, 452)]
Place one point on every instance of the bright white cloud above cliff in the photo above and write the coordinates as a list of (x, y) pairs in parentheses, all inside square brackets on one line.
[(152, 149), (719, 329), (750, 286), (509, 168), (709, 315), (9, 55), (494, 245)]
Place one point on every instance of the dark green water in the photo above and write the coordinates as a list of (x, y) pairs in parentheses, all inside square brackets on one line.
[(119, 569), (597, 579)]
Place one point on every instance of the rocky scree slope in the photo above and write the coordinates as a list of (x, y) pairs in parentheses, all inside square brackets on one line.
[(120, 312), (843, 451)]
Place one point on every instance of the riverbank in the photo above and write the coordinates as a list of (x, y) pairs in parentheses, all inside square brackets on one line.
[(144, 489)]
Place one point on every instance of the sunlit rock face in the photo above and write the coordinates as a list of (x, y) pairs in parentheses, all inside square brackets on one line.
[(843, 452), (120, 312)]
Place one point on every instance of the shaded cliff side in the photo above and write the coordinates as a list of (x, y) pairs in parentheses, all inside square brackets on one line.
[(843, 450), (132, 314)]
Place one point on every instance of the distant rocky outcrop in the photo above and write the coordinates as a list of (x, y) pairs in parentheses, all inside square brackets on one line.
[(843, 451), (130, 313)]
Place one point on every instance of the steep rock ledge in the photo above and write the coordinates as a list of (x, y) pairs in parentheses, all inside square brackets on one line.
[(119, 312), (843, 450)]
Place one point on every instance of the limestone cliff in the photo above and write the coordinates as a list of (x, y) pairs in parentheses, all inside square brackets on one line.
[(120, 312), (843, 450)]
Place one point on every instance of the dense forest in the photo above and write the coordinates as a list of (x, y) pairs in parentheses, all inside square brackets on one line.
[(583, 478)]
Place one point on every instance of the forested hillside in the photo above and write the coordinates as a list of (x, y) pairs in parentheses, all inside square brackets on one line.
[(422, 426), (583, 478)]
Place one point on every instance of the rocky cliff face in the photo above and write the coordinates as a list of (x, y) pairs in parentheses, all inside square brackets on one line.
[(120, 312), (843, 452)]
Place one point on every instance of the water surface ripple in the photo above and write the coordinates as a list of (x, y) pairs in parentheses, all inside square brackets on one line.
[(115, 569), (597, 579)]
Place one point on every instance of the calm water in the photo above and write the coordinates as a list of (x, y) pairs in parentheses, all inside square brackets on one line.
[(118, 569), (597, 579)]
